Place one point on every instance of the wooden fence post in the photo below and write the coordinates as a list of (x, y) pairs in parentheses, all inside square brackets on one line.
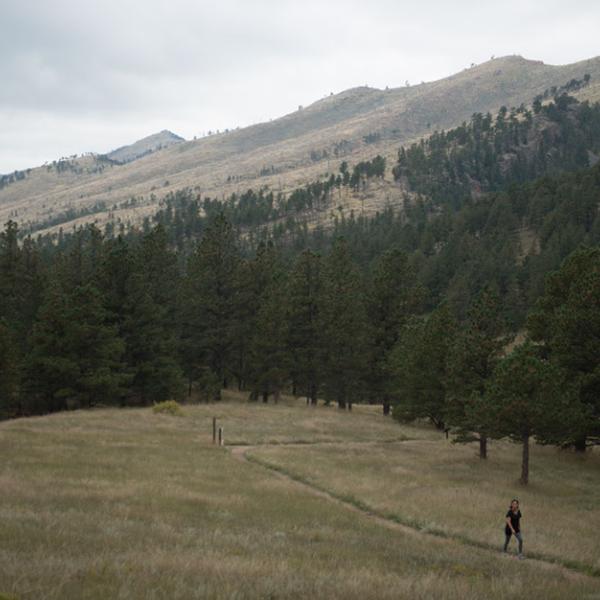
[(221, 438), (214, 430)]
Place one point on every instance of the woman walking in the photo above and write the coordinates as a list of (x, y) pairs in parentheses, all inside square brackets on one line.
[(513, 527)]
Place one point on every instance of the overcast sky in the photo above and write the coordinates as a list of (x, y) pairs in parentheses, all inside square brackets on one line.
[(91, 76)]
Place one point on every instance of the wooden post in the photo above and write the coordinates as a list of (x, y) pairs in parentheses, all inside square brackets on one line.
[(214, 430), (221, 439)]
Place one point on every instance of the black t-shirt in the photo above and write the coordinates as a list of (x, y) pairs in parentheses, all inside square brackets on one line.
[(514, 520)]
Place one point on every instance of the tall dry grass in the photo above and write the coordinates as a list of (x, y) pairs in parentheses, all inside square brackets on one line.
[(130, 504)]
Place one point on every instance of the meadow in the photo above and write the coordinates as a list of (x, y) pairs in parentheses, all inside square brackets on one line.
[(301, 502)]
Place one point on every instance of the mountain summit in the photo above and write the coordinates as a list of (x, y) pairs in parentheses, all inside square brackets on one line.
[(151, 143)]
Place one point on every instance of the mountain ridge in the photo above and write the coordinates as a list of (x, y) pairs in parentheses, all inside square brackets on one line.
[(286, 152)]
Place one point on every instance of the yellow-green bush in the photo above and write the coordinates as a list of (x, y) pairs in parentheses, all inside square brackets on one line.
[(169, 407)]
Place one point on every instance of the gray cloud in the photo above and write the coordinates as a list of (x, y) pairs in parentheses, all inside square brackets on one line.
[(79, 76)]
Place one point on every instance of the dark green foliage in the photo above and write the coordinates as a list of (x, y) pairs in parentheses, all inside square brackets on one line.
[(473, 357), (418, 367), (269, 357), (304, 332), (148, 321), (489, 154), (343, 326), (211, 302), (75, 358), (528, 397), (9, 375), (393, 294), (566, 321), (363, 171)]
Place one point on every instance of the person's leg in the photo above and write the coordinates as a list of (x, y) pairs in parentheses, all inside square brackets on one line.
[(507, 535), (520, 538)]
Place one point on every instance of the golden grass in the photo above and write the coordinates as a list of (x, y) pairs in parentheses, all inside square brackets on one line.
[(442, 487), (129, 504)]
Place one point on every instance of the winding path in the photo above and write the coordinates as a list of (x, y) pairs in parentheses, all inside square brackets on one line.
[(241, 453)]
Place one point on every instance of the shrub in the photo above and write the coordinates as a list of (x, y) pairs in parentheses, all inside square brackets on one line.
[(169, 407)]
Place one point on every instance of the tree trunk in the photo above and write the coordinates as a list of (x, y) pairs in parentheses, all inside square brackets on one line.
[(580, 444), (439, 425), (483, 446), (313, 394), (386, 407), (341, 404), (265, 396), (350, 405), (525, 460), (277, 395), (189, 387)]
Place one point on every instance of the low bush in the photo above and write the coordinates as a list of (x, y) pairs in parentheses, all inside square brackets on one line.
[(169, 407)]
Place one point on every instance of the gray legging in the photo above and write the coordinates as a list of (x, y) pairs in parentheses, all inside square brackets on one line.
[(518, 536)]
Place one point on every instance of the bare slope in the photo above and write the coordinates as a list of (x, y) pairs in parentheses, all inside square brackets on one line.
[(286, 152), (147, 145)]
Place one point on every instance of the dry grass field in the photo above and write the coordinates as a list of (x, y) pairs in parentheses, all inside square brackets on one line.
[(126, 503)]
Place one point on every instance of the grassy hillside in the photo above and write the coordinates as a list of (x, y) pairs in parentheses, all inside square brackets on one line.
[(285, 152), (127, 503)]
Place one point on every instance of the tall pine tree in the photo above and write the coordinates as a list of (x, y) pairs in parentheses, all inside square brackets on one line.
[(343, 323)]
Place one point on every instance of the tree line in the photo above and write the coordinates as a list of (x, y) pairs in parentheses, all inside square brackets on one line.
[(413, 309), (109, 321)]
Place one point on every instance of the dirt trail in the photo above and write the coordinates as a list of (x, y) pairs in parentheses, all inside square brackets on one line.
[(240, 453)]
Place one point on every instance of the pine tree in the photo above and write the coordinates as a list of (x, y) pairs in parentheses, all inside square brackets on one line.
[(211, 292), (151, 343), (75, 354), (9, 374), (269, 356), (393, 295), (254, 277), (474, 356), (566, 320), (343, 323), (304, 331), (10, 264), (528, 397), (418, 368)]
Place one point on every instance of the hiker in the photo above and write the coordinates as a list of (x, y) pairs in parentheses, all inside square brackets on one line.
[(513, 516)]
